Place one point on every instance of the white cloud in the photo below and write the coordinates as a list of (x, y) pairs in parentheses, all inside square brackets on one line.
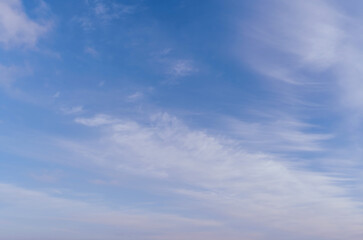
[(85, 22), (314, 49), (103, 11), (135, 96), (91, 51), (307, 43), (277, 134), (211, 175), (72, 110), (16, 28), (310, 31), (182, 68), (108, 10), (221, 177), (98, 120)]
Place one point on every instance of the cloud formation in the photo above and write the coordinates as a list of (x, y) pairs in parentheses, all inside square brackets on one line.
[(310, 39), (16, 28), (220, 176), (255, 170)]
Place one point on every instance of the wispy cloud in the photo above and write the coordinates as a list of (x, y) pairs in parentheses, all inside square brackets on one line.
[(17, 29), (91, 51), (175, 66), (227, 178), (135, 96), (98, 120), (213, 175), (314, 48), (182, 68), (277, 134), (103, 11), (72, 110), (250, 177), (107, 10), (310, 38)]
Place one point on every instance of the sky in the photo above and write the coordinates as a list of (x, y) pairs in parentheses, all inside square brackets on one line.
[(181, 119)]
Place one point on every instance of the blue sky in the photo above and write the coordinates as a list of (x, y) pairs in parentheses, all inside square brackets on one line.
[(181, 119)]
